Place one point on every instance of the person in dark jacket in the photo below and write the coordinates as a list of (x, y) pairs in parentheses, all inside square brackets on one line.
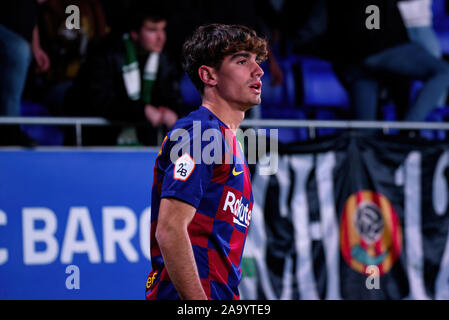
[(366, 55), (128, 79)]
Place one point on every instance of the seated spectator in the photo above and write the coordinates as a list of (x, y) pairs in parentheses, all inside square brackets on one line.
[(128, 79), (418, 16), (19, 44), (66, 48), (380, 52), (362, 56)]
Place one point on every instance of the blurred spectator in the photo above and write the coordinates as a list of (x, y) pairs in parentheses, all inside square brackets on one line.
[(19, 44), (363, 57), (384, 52), (128, 79), (418, 18), (66, 47)]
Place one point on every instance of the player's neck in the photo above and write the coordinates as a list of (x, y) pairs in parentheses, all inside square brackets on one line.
[(230, 115)]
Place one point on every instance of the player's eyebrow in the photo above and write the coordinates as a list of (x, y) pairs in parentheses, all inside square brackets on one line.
[(240, 55)]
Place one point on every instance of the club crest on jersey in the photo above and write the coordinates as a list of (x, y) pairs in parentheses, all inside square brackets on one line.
[(184, 167)]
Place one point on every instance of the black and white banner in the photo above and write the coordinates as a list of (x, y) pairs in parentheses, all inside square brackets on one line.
[(354, 217)]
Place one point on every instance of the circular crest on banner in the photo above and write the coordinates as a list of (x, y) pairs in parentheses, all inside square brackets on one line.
[(370, 232)]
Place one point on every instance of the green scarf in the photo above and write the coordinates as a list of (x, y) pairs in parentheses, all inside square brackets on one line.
[(136, 87)]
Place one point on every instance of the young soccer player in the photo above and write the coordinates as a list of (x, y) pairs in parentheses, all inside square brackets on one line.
[(201, 209)]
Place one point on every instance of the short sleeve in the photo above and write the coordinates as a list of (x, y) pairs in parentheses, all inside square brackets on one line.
[(187, 177)]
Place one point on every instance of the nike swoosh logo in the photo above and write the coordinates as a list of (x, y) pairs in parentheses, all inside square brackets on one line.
[(235, 173), (239, 223)]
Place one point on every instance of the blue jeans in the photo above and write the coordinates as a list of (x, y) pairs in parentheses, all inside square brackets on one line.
[(15, 58), (413, 60), (426, 37), (409, 59)]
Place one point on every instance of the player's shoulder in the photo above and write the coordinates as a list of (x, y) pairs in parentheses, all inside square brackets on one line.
[(197, 122)]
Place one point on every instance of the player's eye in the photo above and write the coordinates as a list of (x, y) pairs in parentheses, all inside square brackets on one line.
[(243, 61)]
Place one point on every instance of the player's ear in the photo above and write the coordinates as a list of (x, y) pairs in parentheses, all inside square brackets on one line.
[(207, 75)]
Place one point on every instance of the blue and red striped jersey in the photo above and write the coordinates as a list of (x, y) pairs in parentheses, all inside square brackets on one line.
[(201, 163)]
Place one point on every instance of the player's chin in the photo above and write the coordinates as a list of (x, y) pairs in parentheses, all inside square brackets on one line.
[(251, 102), (257, 100)]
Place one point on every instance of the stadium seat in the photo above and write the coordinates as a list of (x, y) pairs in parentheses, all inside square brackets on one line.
[(287, 135), (45, 135), (389, 113), (326, 114), (440, 114), (443, 37), (440, 13), (414, 89), (280, 102), (283, 95), (321, 86)]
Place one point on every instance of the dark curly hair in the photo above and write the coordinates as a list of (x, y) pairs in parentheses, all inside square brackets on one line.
[(209, 44)]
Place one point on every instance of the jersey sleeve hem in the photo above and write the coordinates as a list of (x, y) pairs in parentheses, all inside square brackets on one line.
[(188, 198)]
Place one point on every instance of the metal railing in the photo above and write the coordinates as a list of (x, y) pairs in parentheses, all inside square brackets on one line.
[(312, 125), (57, 121)]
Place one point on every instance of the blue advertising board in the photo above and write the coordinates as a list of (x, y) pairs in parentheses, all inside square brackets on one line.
[(75, 224)]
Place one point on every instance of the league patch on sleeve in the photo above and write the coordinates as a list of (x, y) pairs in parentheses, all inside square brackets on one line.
[(184, 167)]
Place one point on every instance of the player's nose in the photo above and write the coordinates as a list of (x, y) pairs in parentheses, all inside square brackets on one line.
[(258, 71)]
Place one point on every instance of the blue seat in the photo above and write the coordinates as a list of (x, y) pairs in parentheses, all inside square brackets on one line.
[(45, 135), (414, 89), (440, 14), (287, 135), (326, 114), (443, 37), (436, 115), (320, 84), (272, 97), (389, 114), (280, 102), (283, 95)]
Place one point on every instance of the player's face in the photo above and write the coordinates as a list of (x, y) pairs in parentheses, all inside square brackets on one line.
[(239, 80), (152, 36)]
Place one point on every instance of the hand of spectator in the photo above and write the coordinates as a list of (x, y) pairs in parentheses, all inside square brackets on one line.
[(169, 117), (153, 115), (42, 59)]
